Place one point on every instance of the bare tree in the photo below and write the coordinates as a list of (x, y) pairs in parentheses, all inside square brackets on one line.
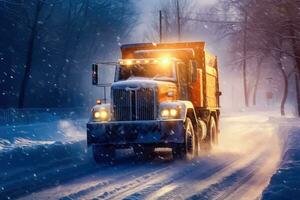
[(292, 8), (175, 20), (257, 79), (33, 25), (272, 31)]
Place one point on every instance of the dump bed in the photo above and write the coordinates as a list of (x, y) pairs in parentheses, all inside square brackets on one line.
[(212, 81), (205, 91)]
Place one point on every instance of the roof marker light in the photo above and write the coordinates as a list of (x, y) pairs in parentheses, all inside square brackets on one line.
[(165, 61), (129, 62)]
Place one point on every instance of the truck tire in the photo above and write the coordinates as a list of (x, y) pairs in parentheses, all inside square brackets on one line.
[(189, 150), (211, 139), (143, 152), (103, 154)]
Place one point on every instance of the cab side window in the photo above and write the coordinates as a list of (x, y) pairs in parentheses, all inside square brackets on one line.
[(183, 80)]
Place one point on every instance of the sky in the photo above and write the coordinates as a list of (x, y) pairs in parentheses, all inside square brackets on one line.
[(146, 9)]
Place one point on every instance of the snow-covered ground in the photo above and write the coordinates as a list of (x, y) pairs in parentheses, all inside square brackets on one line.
[(40, 154), (285, 183), (51, 161), (30, 135)]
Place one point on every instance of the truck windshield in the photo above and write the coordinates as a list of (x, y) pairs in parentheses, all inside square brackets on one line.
[(154, 71)]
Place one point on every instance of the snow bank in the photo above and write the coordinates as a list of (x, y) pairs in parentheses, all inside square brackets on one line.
[(37, 115), (41, 133), (25, 144), (41, 153), (285, 183)]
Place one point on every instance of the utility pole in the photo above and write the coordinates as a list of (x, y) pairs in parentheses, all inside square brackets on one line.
[(160, 26), (245, 61), (178, 21)]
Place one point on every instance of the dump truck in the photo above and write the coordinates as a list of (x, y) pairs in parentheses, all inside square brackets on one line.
[(163, 96)]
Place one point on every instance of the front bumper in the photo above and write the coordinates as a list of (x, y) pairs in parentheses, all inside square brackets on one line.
[(127, 133)]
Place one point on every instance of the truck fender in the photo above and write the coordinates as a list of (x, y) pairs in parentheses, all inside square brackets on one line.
[(187, 110)]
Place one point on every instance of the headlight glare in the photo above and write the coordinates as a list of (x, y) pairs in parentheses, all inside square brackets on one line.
[(173, 112), (169, 113), (101, 115), (165, 113)]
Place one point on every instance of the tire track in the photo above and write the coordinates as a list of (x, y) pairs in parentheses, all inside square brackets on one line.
[(230, 183), (123, 185), (251, 186), (154, 190), (199, 184), (136, 172)]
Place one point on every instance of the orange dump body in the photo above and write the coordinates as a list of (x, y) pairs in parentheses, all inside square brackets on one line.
[(204, 92)]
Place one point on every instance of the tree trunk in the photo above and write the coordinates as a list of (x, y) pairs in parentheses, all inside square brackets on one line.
[(246, 94), (258, 73), (296, 51), (293, 14), (286, 87), (74, 51), (29, 55), (60, 73), (297, 93)]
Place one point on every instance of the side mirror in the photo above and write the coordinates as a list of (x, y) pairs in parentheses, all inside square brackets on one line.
[(103, 74), (193, 71), (95, 74)]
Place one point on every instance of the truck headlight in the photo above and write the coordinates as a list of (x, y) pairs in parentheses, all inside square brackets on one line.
[(169, 113), (101, 115)]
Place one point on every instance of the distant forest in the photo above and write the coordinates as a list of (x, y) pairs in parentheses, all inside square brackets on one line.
[(47, 48)]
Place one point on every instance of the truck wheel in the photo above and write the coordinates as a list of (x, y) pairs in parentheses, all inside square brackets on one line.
[(103, 154), (211, 139), (143, 152), (189, 150)]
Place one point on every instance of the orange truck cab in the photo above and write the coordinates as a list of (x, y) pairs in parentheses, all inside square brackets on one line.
[(163, 95)]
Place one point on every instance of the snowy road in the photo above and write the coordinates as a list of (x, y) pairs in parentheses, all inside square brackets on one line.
[(240, 168)]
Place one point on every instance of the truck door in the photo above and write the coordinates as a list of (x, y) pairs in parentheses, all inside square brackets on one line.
[(182, 74)]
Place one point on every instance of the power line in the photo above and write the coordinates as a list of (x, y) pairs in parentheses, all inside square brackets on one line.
[(213, 21), (195, 13)]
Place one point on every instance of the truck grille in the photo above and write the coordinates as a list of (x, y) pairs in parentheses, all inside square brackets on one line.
[(137, 104)]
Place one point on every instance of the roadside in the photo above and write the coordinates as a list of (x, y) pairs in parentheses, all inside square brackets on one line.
[(41, 154), (52, 159), (285, 183)]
